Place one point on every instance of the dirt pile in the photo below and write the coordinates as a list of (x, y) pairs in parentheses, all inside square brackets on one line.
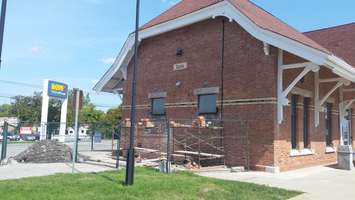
[(46, 151)]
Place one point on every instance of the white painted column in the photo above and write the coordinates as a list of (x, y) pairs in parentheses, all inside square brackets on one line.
[(63, 118), (280, 98), (341, 114), (44, 116), (316, 99)]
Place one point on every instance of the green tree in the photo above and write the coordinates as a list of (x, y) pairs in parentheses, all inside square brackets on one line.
[(71, 110), (27, 108), (111, 121), (90, 115), (5, 110)]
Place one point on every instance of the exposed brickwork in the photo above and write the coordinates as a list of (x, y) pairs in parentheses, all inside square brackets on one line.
[(317, 135), (248, 74)]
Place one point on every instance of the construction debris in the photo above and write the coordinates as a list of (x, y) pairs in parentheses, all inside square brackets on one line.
[(47, 151)]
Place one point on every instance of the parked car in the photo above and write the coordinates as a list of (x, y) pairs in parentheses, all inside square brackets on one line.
[(28, 137), (1, 137), (37, 136), (13, 137)]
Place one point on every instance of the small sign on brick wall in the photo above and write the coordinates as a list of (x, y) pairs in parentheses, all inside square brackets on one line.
[(180, 66)]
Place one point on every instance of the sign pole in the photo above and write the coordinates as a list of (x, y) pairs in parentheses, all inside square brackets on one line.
[(44, 114), (2, 26), (57, 90), (130, 153), (75, 149)]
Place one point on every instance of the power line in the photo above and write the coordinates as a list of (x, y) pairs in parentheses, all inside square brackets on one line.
[(6, 97), (40, 87), (105, 106), (21, 84), (97, 105), (9, 96)]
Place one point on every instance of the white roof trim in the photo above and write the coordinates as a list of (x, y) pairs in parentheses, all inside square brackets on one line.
[(122, 58), (225, 8), (341, 68)]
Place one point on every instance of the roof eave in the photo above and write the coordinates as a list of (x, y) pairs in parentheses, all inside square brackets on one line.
[(226, 9), (120, 60), (341, 68)]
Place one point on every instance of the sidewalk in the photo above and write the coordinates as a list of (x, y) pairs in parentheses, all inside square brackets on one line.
[(318, 183), (19, 170)]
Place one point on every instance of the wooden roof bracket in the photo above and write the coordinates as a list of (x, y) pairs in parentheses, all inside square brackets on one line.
[(281, 93), (266, 49), (343, 106), (320, 101)]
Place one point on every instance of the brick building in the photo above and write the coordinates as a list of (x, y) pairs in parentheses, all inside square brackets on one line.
[(230, 59)]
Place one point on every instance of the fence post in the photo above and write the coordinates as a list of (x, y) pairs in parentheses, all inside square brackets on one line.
[(92, 138), (4, 141), (77, 143), (199, 147), (118, 147), (168, 155)]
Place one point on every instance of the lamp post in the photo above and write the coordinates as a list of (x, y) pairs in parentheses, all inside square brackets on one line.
[(2, 26), (130, 153)]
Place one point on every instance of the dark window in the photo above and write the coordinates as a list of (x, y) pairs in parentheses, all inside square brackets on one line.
[(328, 125), (306, 122), (158, 106), (294, 121), (207, 104)]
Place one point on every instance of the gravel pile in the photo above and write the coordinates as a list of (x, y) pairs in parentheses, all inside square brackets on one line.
[(46, 151)]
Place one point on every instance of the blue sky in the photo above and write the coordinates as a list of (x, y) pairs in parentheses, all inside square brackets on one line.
[(75, 41)]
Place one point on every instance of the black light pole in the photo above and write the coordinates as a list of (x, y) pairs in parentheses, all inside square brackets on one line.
[(130, 153), (2, 26)]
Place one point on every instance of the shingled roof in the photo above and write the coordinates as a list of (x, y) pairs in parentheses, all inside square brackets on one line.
[(340, 40), (258, 22), (256, 14)]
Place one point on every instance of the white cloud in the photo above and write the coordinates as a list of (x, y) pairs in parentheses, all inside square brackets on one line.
[(108, 61), (36, 50)]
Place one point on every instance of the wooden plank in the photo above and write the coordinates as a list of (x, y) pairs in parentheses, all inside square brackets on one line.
[(201, 154), (146, 150), (155, 151)]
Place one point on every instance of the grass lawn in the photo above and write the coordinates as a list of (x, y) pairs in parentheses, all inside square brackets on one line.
[(149, 184)]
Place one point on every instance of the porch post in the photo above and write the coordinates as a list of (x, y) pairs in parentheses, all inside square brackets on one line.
[(341, 114), (280, 99), (316, 99)]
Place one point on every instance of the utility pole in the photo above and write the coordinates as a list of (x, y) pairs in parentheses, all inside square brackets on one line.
[(130, 154), (2, 26)]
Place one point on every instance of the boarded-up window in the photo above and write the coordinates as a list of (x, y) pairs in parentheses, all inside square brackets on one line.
[(207, 104)]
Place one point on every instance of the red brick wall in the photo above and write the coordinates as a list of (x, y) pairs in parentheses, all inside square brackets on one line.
[(317, 134), (249, 92), (248, 74)]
